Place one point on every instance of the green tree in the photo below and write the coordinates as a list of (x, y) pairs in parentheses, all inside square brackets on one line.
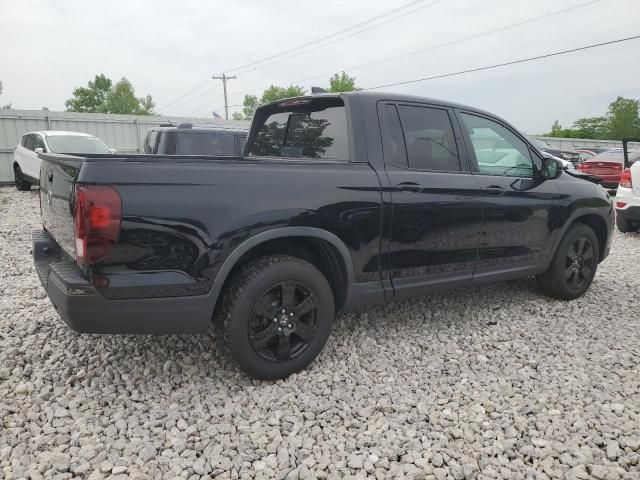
[(593, 127), (147, 105), (249, 106), (90, 98), (624, 118), (102, 96), (274, 93), (271, 94), (342, 83), (556, 130)]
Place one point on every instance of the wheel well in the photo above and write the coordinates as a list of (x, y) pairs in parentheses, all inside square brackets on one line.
[(599, 227), (320, 253)]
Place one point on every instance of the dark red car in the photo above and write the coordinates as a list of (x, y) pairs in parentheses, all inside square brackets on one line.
[(607, 166)]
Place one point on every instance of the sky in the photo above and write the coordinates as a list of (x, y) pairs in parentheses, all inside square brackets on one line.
[(172, 48)]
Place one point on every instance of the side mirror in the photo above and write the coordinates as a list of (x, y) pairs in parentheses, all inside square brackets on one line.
[(113, 151), (39, 150), (550, 168)]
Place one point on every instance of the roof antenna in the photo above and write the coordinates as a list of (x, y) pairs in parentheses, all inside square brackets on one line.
[(316, 90)]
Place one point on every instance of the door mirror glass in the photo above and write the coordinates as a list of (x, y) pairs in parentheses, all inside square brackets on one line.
[(550, 168), (39, 150)]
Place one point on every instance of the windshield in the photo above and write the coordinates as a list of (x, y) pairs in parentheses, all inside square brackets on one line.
[(76, 144)]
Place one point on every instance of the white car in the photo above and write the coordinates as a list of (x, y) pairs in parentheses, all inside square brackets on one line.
[(26, 164), (628, 199)]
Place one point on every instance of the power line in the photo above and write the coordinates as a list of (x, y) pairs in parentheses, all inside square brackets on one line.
[(498, 65), (245, 68), (211, 89), (201, 108), (197, 87), (434, 47), (453, 42)]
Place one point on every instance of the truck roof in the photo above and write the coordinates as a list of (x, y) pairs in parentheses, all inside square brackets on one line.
[(217, 129), (381, 96)]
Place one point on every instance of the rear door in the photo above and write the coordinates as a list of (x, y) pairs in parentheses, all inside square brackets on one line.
[(34, 160), (436, 214), (519, 208), (27, 156)]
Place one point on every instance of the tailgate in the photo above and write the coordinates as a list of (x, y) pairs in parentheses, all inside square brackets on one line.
[(57, 178)]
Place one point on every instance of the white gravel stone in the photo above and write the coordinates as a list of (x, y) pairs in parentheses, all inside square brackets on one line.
[(484, 383)]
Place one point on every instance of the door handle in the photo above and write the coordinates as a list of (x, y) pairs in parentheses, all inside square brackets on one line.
[(494, 190), (410, 187)]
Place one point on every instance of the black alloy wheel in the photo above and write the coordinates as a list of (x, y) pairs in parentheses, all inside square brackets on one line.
[(579, 263), (574, 264), (283, 321), (275, 315)]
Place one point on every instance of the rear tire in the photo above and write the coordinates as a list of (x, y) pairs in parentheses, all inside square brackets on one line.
[(573, 266), (275, 316), (624, 226), (22, 184)]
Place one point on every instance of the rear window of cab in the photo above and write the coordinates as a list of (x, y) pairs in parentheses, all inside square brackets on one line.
[(303, 129)]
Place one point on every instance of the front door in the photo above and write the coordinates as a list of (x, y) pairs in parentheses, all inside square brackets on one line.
[(436, 214), (520, 216)]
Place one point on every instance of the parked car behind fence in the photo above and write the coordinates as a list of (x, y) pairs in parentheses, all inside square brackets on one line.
[(185, 139), (26, 163)]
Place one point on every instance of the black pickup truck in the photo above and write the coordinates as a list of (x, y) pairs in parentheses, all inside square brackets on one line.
[(339, 202)]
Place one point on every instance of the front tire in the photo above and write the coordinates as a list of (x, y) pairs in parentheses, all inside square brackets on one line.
[(275, 316), (573, 266), (22, 184)]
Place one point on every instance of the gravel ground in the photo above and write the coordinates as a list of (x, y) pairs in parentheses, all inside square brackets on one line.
[(491, 382)]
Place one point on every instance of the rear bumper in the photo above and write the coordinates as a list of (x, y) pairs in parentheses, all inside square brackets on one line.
[(631, 208), (629, 213), (85, 310)]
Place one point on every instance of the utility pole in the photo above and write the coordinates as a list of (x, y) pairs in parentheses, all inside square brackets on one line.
[(224, 79)]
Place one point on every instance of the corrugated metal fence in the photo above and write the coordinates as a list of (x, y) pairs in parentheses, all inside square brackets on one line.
[(574, 143), (122, 132)]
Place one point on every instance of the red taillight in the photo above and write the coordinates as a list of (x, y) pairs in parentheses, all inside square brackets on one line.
[(621, 204), (96, 222), (625, 179)]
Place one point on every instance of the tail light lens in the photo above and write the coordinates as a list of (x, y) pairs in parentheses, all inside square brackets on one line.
[(625, 179), (96, 222)]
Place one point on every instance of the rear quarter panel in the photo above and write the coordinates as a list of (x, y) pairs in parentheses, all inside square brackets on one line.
[(182, 219)]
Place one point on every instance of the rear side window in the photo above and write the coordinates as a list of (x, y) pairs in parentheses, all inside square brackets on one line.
[(204, 143), (429, 139), (305, 129), (393, 144)]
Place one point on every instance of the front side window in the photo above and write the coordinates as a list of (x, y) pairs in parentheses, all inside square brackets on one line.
[(205, 143), (28, 142), (498, 150), (38, 142), (429, 139), (306, 129)]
